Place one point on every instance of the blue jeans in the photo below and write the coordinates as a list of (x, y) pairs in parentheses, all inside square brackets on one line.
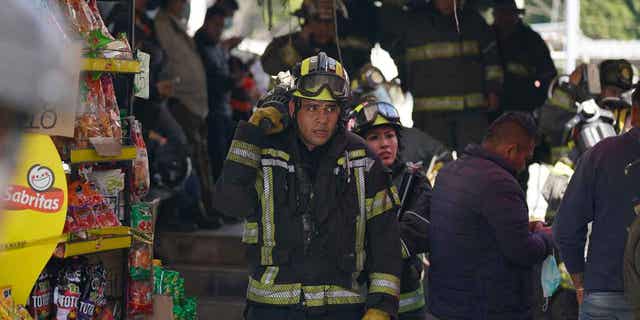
[(605, 306)]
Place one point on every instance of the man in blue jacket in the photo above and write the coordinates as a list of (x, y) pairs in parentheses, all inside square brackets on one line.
[(600, 193), (482, 249)]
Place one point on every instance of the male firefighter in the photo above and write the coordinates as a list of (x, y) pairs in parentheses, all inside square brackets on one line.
[(317, 34), (321, 228), (448, 57), (527, 64)]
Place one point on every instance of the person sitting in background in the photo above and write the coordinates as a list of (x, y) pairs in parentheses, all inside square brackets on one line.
[(482, 245)]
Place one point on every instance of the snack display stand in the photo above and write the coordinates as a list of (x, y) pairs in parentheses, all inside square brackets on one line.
[(76, 236)]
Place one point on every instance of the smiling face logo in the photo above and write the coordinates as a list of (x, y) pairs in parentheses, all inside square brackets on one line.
[(40, 178)]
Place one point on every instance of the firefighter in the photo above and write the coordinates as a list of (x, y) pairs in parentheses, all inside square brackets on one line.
[(615, 79), (379, 124), (320, 223), (317, 34), (449, 61), (526, 61)]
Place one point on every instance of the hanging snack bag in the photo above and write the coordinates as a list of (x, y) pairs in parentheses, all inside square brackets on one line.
[(41, 298), (141, 180), (140, 261), (67, 291), (93, 293), (140, 297), (111, 106), (92, 119), (142, 219)]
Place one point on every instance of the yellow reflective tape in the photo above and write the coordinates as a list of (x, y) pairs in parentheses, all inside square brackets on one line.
[(281, 294), (395, 196), (269, 275), (250, 233), (317, 296), (442, 50), (304, 67), (380, 204), (494, 73), (517, 69), (361, 220), (354, 154), (313, 296), (384, 283), (475, 100), (276, 154), (412, 301), (446, 103), (449, 103), (405, 250), (244, 153), (268, 223)]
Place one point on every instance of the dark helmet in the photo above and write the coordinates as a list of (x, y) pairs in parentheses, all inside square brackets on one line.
[(371, 113), (617, 73)]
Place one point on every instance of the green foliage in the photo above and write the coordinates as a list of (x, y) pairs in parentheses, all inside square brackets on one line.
[(611, 19), (599, 19)]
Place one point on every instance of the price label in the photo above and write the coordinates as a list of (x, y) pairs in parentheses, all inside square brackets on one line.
[(142, 78)]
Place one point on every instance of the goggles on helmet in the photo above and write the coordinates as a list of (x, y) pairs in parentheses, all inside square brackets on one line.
[(371, 110), (312, 85)]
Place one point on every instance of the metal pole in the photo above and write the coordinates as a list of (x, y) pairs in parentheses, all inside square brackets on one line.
[(573, 33)]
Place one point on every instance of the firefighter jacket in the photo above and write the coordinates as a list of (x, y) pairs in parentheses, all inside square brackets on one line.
[(332, 243), (413, 233), (525, 60), (285, 51), (446, 70)]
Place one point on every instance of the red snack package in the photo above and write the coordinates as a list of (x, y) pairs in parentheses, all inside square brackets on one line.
[(140, 297), (141, 180), (140, 262), (92, 119), (106, 218), (81, 16), (111, 106), (98, 24)]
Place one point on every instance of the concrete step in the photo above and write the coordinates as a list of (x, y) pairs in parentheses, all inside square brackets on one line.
[(208, 248), (213, 282), (220, 308)]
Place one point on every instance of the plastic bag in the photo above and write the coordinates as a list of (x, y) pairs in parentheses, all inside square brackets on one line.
[(141, 179), (92, 118), (142, 219), (41, 298), (66, 294), (140, 297), (111, 106), (140, 262), (93, 292)]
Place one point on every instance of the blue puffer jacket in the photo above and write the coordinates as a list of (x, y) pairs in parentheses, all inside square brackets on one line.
[(481, 247)]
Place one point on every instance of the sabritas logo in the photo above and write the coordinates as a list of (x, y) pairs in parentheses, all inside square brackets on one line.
[(39, 196)]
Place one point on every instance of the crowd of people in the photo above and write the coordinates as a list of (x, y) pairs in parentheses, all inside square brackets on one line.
[(344, 216)]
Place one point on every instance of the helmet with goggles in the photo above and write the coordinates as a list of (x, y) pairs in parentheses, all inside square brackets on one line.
[(370, 114), (321, 78)]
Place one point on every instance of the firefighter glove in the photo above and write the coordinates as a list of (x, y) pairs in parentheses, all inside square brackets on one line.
[(269, 119)]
